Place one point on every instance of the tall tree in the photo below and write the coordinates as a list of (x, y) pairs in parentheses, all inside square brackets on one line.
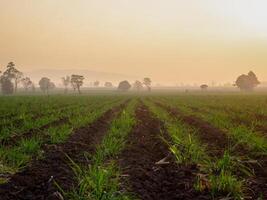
[(124, 86), (247, 82), (13, 74), (77, 82), (45, 84), (66, 82), (147, 83)]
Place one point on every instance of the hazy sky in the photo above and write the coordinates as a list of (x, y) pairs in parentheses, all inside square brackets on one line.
[(169, 40)]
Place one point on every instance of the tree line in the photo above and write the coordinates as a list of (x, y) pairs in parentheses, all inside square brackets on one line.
[(245, 82), (12, 77)]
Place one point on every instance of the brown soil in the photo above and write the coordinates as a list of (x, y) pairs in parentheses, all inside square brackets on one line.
[(36, 181), (258, 183), (142, 176), (18, 122), (216, 141), (248, 122), (15, 139)]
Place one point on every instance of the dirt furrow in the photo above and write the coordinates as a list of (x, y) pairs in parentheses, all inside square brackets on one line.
[(36, 182), (15, 139), (142, 175), (217, 142), (215, 139)]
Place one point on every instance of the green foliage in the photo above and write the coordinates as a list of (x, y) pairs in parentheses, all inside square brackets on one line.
[(29, 146), (49, 115), (226, 183), (101, 179), (215, 174), (60, 133)]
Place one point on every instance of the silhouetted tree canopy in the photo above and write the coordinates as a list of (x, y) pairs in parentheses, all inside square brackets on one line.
[(108, 84), (12, 73), (77, 82), (124, 86), (147, 83), (204, 87), (247, 82), (45, 84), (137, 85)]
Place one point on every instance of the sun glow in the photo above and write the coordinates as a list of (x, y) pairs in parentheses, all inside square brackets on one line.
[(153, 37), (252, 15)]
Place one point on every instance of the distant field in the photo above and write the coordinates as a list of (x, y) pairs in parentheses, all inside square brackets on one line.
[(163, 145)]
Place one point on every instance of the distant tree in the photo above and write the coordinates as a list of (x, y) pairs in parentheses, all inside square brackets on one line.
[(247, 82), (204, 87), (13, 74), (108, 84), (96, 83), (147, 83), (27, 83), (137, 85), (124, 86), (66, 82), (45, 84), (6, 85), (76, 82)]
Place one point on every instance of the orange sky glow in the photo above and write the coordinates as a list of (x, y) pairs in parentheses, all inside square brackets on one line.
[(170, 41)]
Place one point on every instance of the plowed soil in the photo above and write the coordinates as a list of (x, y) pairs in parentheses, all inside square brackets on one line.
[(145, 178), (217, 141), (37, 181)]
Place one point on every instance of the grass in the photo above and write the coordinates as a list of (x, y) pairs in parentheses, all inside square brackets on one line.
[(220, 116), (17, 156), (240, 116), (59, 134), (215, 174), (100, 180)]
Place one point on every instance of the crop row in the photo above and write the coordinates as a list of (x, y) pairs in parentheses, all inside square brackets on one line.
[(243, 155), (157, 147), (17, 156)]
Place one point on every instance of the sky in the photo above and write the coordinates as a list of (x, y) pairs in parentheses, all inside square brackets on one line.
[(171, 41)]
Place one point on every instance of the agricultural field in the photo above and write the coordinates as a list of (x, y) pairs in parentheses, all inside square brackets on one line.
[(133, 146)]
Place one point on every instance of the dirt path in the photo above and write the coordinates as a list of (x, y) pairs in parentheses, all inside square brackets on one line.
[(142, 176), (217, 141), (36, 181)]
